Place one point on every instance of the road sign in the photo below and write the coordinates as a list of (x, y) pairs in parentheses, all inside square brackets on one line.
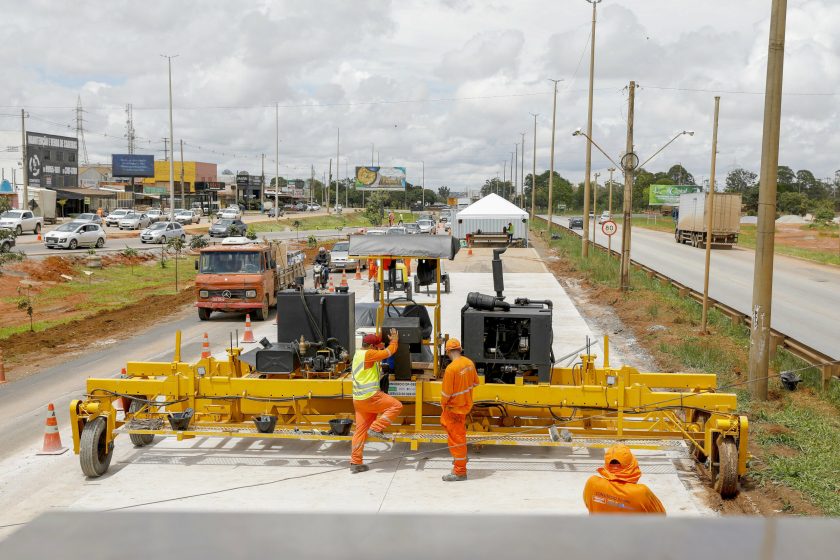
[(609, 228)]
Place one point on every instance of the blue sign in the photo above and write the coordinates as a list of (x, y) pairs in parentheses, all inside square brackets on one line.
[(132, 165), (6, 187)]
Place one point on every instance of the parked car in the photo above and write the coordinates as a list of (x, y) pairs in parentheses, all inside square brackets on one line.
[(228, 228), (340, 258), (231, 214), (396, 230), (187, 217), (300, 206), (113, 219), (6, 243), (162, 232), (604, 217), (89, 218), (134, 220), (412, 228), (576, 222), (272, 213), (196, 206), (426, 225), (313, 207), (20, 221), (339, 208), (74, 235), (155, 215)]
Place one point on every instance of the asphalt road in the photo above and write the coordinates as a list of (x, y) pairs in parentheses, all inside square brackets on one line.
[(806, 296)]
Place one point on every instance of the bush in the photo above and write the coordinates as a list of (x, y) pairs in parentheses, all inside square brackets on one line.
[(312, 241), (824, 212), (198, 242), (251, 234)]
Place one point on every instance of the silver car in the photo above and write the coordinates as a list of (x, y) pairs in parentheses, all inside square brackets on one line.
[(162, 232), (74, 235), (135, 220), (154, 215), (89, 218), (113, 219), (340, 258), (187, 217), (426, 225)]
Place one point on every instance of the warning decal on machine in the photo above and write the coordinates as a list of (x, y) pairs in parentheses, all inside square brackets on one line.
[(402, 388)]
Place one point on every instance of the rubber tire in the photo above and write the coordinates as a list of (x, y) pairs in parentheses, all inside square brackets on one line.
[(139, 440), (37, 229), (73, 244), (726, 481), (5, 247), (100, 242), (18, 231), (376, 292), (446, 287), (204, 313), (183, 238), (93, 458), (262, 313)]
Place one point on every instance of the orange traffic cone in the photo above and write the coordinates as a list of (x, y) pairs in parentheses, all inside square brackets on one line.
[(358, 275), (343, 279), (331, 286), (249, 334), (205, 347), (39, 237), (2, 369), (52, 439)]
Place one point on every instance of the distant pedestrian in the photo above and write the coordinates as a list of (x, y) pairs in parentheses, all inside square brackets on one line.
[(510, 232), (391, 218)]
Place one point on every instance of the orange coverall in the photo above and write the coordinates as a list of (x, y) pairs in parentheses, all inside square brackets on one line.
[(456, 401), (368, 409), (617, 489)]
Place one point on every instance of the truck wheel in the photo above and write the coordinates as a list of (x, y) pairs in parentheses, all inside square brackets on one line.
[(139, 440), (94, 454), (262, 313), (18, 231), (37, 229), (204, 313)]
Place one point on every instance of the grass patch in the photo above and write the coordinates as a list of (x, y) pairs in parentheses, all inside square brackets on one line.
[(350, 219)]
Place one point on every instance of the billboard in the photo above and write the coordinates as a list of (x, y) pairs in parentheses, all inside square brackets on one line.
[(380, 178), (132, 165), (52, 161), (669, 195)]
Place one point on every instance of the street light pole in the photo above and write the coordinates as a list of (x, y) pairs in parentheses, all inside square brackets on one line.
[(337, 151), (533, 170), (594, 206), (551, 171), (765, 230), (171, 145), (522, 172), (423, 186), (710, 207), (609, 210), (277, 161), (629, 168), (586, 186)]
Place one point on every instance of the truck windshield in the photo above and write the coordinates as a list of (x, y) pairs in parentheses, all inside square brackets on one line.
[(230, 262), (11, 214)]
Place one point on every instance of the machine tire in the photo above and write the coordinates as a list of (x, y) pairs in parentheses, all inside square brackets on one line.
[(446, 286), (376, 292), (73, 244), (726, 477), (204, 313), (94, 458), (261, 314), (701, 417), (139, 440), (100, 242)]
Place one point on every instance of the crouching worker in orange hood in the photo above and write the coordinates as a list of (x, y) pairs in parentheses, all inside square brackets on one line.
[(617, 489)]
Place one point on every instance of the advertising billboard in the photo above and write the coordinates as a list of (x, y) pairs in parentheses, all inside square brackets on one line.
[(669, 195), (380, 178), (132, 165), (52, 161)]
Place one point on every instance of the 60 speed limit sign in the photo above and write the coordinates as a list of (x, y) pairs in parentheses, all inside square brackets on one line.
[(609, 228)]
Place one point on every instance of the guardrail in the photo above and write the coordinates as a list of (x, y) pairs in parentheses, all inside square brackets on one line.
[(795, 347)]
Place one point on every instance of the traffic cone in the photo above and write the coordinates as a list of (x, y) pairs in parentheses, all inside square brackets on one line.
[(343, 279), (39, 237), (52, 439), (2, 368), (205, 347), (358, 275), (331, 286), (469, 251), (249, 334)]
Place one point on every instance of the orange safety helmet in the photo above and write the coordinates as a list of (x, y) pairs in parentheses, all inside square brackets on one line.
[(453, 344)]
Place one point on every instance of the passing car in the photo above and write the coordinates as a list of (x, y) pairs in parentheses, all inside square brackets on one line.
[(576, 222), (20, 221), (113, 219), (300, 207), (604, 217), (375, 232), (426, 225), (340, 258), (134, 220), (231, 214), (155, 215), (412, 228), (396, 230), (162, 232), (313, 207), (74, 235), (187, 217), (89, 218), (228, 228)]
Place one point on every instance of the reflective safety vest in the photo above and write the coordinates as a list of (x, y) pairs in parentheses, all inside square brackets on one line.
[(365, 380)]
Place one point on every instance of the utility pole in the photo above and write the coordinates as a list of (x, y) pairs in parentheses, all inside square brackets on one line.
[(594, 207), (129, 127), (171, 144), (327, 193), (423, 186), (183, 196), (585, 241), (628, 164), (24, 161), (504, 177), (534, 170), (262, 183), (311, 184), (710, 208), (522, 172), (337, 151), (515, 170), (551, 171), (277, 161), (763, 271), (609, 210)]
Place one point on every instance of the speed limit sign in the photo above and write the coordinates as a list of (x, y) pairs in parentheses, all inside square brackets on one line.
[(609, 227)]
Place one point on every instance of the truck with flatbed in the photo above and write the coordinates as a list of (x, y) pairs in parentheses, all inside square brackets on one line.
[(692, 219), (21, 221), (240, 275)]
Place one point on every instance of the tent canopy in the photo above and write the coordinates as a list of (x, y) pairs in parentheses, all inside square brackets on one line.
[(492, 206)]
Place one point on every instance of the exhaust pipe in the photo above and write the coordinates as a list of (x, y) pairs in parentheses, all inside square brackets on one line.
[(498, 276)]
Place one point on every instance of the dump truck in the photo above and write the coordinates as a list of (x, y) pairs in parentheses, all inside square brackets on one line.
[(692, 219), (239, 275)]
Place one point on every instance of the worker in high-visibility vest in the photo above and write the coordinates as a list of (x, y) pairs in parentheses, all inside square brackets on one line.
[(456, 401), (617, 490), (368, 400)]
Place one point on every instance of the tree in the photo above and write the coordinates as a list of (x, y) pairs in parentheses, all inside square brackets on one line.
[(443, 192), (5, 205), (176, 244), (793, 203), (375, 208), (739, 180), (786, 180), (824, 212), (680, 176)]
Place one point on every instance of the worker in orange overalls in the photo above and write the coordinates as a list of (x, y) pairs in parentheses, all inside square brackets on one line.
[(617, 490), (456, 402), (368, 400)]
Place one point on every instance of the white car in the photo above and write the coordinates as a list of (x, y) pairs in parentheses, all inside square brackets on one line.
[(74, 235), (231, 214), (313, 207), (135, 220), (187, 217), (604, 217), (340, 258), (426, 225), (155, 215), (20, 221), (113, 219), (162, 232)]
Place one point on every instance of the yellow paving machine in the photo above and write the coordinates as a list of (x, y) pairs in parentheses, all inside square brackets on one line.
[(299, 387)]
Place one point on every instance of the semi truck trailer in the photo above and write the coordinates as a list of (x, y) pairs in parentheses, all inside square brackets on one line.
[(692, 219)]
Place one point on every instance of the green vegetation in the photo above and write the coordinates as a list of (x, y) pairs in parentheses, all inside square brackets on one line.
[(333, 221)]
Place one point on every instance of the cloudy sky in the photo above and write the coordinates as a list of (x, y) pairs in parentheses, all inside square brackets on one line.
[(450, 83)]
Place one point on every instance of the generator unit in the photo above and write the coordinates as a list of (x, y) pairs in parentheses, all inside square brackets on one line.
[(506, 340)]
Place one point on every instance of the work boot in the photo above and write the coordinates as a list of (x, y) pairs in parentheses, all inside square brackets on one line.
[(358, 468), (452, 477), (380, 435)]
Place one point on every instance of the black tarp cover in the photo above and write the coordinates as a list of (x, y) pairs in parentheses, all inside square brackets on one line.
[(412, 246)]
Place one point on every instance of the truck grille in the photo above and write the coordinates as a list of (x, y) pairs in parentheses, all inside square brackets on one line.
[(234, 294)]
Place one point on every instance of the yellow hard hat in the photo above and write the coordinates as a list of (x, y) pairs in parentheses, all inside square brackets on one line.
[(453, 344)]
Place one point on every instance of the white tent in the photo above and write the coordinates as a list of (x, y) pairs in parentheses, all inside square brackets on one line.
[(490, 215)]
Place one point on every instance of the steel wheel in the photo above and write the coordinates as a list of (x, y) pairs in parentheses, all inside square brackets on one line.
[(94, 454)]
